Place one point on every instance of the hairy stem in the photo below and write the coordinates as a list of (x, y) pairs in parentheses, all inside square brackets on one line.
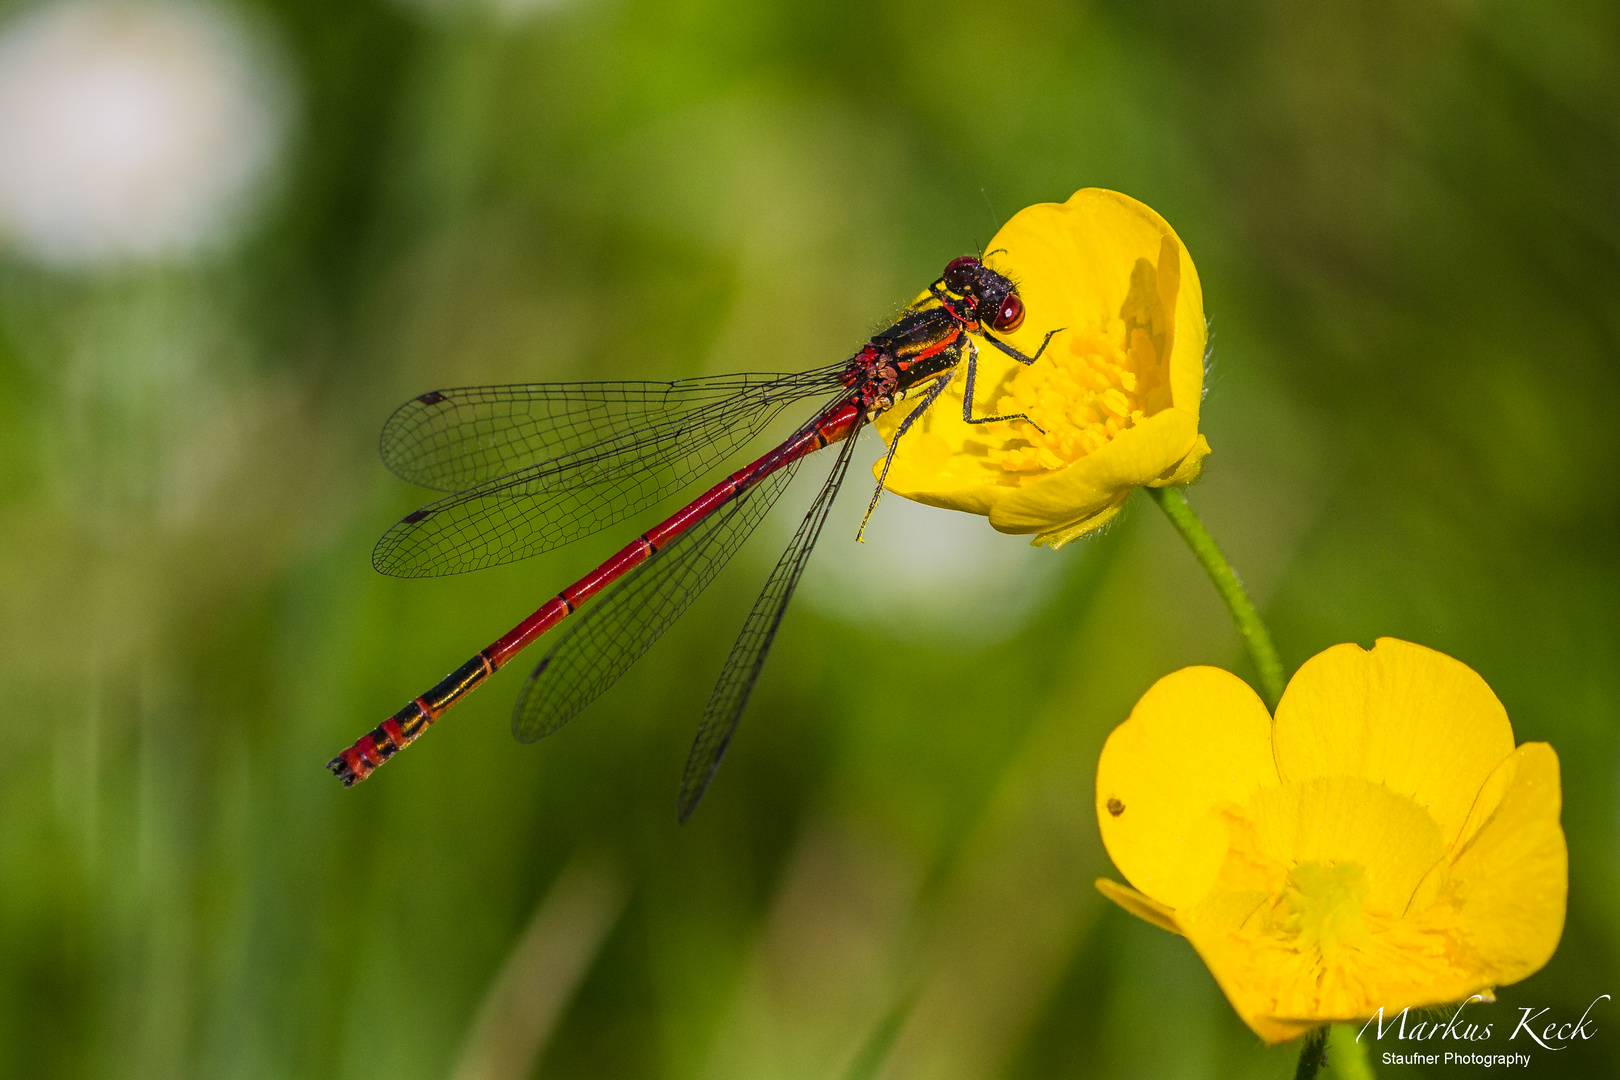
[(1349, 1055), (1255, 635), (1313, 1055)]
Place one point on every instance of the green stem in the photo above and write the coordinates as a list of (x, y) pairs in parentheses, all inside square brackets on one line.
[(1225, 579), (1349, 1055), (1313, 1055)]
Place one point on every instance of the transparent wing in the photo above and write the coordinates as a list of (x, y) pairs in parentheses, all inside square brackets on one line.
[(555, 502), (618, 629), (737, 678), (452, 440)]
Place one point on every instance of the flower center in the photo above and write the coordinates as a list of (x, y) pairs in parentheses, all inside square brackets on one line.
[(1322, 907), (1092, 385), (1080, 397)]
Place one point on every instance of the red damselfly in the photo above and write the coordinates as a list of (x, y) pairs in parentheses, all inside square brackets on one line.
[(529, 468)]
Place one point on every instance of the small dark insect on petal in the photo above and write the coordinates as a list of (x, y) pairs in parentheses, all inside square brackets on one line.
[(1116, 807), (432, 397), (416, 515)]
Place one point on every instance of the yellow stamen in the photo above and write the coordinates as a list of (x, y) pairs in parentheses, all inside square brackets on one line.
[(1083, 394)]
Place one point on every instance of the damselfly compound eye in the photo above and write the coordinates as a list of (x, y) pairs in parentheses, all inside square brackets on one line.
[(961, 274), (1011, 315)]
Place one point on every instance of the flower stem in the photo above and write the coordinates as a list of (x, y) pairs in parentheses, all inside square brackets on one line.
[(1254, 632), (1349, 1055), (1313, 1055)]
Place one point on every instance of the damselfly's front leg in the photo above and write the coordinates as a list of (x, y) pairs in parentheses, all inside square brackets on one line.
[(973, 373), (894, 444), (1020, 357)]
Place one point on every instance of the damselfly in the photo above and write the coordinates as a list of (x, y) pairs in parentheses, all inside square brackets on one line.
[(529, 468)]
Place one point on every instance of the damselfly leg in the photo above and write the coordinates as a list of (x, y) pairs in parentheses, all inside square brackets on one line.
[(894, 445)]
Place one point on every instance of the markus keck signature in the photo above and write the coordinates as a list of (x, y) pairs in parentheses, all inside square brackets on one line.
[(1534, 1028)]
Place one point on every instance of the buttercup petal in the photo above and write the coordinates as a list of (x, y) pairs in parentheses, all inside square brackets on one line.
[(1189, 468), (1348, 819), (1198, 742), (1134, 458), (1392, 716), (930, 471), (1280, 990), (1076, 266), (1242, 972), (1509, 882), (1056, 538), (1143, 907)]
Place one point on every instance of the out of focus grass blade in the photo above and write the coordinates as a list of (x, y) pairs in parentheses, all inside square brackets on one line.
[(876, 1049), (543, 971)]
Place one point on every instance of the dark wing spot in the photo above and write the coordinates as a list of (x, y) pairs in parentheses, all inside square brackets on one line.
[(432, 397), (1116, 807), (416, 515)]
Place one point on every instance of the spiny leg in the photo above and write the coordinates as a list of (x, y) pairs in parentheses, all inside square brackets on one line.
[(894, 444), (1020, 357), (967, 394)]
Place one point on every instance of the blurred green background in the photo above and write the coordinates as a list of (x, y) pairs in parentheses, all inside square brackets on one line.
[(1406, 218)]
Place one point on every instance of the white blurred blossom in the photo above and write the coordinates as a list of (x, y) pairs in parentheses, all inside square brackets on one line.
[(133, 130)]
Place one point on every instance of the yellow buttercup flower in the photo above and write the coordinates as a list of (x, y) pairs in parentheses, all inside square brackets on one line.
[(1113, 400), (1381, 843)]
